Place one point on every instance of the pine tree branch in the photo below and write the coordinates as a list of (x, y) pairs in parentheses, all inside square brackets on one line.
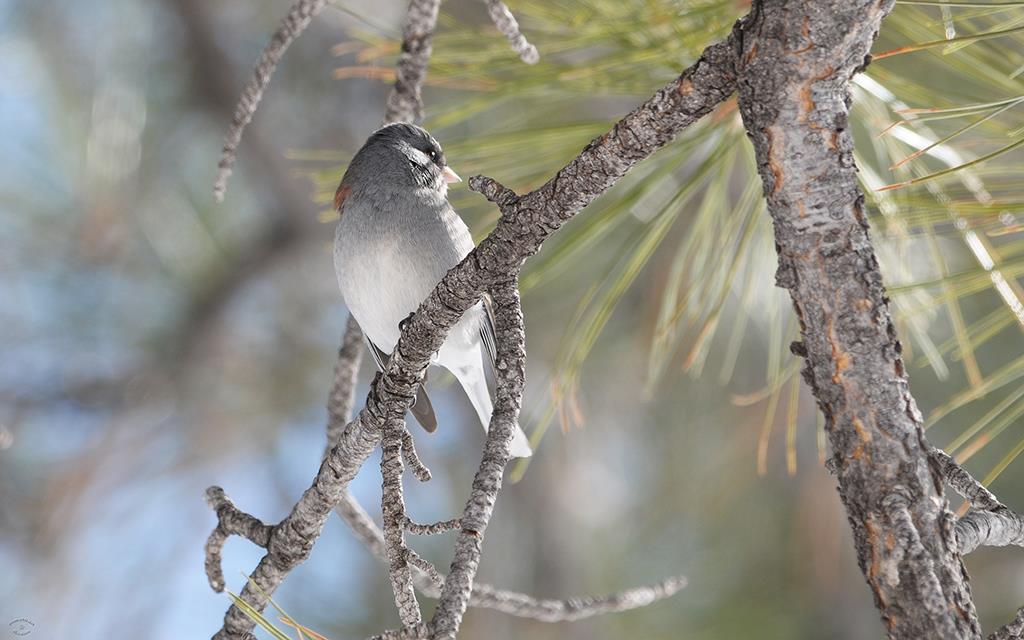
[(510, 371), (964, 483), (342, 396), (432, 529), (796, 62), (405, 102), (1001, 528), (484, 596), (989, 522), (509, 27), (525, 223), (393, 508), (412, 459), (230, 522), (294, 23)]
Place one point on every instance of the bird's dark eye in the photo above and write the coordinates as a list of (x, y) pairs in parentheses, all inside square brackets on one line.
[(432, 154)]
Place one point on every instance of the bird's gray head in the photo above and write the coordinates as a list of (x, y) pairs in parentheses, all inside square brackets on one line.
[(398, 157)]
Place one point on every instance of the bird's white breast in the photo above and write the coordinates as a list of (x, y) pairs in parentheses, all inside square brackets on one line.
[(388, 262)]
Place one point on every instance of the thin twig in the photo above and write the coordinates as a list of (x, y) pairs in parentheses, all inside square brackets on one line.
[(412, 459), (509, 27), (393, 508), (294, 23), (429, 570), (343, 391), (405, 103), (964, 483), (230, 522), (432, 529), (546, 610), (419, 632), (513, 603), (510, 365)]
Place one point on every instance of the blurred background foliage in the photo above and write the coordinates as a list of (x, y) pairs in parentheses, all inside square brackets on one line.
[(156, 344)]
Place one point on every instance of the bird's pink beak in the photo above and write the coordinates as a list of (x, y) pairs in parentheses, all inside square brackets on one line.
[(450, 176)]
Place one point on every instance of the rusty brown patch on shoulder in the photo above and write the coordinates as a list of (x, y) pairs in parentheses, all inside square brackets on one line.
[(685, 87), (750, 54), (339, 197)]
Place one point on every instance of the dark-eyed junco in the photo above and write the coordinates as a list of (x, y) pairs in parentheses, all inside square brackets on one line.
[(396, 239)]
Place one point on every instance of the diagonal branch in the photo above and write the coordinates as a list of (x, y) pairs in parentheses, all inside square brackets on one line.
[(510, 368), (964, 483), (294, 23), (405, 102), (230, 522), (430, 581), (393, 508), (343, 390), (509, 27), (525, 223)]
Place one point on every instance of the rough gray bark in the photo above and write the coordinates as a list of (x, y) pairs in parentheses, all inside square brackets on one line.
[(796, 61), (510, 371), (1000, 528), (964, 483), (343, 390), (405, 102), (393, 507)]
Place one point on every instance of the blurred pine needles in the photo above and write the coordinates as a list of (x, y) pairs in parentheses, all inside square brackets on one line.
[(939, 124)]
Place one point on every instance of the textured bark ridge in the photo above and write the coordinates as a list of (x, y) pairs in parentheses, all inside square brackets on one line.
[(796, 61)]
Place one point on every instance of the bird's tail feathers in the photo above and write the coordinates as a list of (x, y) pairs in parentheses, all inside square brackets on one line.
[(473, 381)]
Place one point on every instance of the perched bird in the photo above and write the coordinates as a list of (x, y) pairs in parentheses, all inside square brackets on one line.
[(397, 237)]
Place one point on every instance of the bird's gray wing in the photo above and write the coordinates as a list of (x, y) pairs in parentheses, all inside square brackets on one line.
[(421, 409), (487, 335)]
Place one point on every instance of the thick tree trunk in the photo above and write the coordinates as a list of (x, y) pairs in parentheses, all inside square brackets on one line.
[(795, 64)]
